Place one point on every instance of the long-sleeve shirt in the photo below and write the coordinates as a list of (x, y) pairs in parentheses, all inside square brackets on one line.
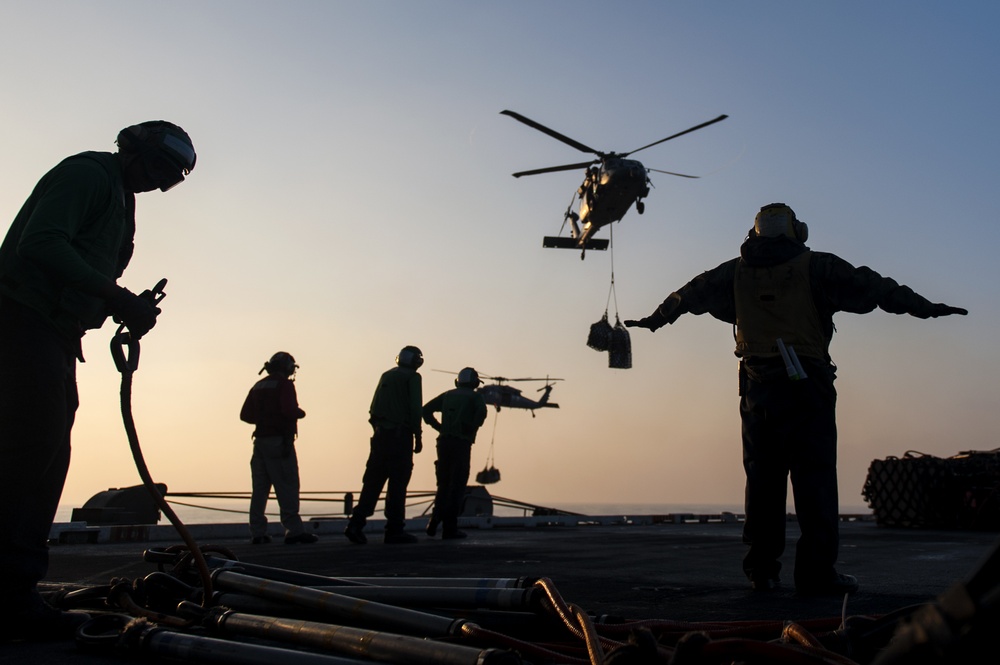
[(398, 400), (72, 235), (273, 407), (836, 286)]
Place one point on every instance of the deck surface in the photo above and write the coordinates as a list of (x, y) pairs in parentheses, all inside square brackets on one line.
[(681, 572)]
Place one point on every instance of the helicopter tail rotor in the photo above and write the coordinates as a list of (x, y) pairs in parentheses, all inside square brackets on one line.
[(544, 401)]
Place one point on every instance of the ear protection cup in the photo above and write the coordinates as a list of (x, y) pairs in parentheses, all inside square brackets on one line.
[(801, 230), (410, 356), (280, 363), (468, 378), (131, 138)]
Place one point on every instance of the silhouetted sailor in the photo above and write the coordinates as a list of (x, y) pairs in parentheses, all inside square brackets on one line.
[(781, 297), (59, 262), (395, 418), (463, 412), (272, 406)]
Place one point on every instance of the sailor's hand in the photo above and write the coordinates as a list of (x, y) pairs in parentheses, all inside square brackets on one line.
[(418, 444), (940, 309), (653, 322), (138, 313)]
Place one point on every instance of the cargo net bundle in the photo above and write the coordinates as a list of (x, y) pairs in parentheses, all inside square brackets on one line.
[(928, 492), (615, 340)]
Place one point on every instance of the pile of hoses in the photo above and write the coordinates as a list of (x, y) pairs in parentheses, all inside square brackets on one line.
[(257, 614)]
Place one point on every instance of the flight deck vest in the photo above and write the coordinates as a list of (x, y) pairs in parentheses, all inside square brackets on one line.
[(775, 302)]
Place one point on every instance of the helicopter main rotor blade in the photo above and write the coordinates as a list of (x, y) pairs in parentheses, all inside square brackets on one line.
[(551, 132), (533, 379), (553, 169), (686, 131), (682, 175)]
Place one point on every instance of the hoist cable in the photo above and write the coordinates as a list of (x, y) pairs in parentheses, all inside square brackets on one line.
[(611, 290)]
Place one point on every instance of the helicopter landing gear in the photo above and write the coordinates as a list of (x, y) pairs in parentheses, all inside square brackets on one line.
[(640, 207), (573, 219)]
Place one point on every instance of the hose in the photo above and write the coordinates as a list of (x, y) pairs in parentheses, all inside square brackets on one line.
[(127, 364), (578, 622)]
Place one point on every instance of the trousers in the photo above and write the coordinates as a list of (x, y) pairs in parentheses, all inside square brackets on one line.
[(38, 403), (452, 472), (390, 460), (274, 464), (790, 432)]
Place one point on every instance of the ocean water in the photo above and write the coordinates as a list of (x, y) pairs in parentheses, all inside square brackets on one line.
[(206, 511)]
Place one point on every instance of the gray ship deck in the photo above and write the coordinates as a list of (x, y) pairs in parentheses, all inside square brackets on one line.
[(670, 571)]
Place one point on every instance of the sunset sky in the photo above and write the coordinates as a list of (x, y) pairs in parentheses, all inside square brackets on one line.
[(353, 195)]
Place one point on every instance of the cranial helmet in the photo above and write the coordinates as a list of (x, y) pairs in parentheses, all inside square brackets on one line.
[(167, 148), (280, 363), (467, 378), (410, 356), (777, 219)]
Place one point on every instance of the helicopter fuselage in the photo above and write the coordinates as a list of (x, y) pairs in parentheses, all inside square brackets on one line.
[(510, 397), (607, 194)]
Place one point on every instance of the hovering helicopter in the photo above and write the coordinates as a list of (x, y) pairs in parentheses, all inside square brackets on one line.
[(611, 185), (500, 395)]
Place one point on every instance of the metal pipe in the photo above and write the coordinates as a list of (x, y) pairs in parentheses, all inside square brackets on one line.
[(161, 556), (213, 650), (118, 633), (467, 582), (494, 599), (526, 625), (346, 609), (374, 645)]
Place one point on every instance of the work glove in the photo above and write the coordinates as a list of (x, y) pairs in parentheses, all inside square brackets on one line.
[(653, 322), (418, 443), (138, 313), (940, 309)]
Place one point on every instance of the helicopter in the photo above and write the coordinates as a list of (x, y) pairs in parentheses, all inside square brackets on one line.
[(611, 184), (500, 395)]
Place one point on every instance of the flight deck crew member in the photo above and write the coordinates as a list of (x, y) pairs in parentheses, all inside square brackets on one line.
[(781, 297), (272, 405), (463, 412), (59, 262), (395, 418)]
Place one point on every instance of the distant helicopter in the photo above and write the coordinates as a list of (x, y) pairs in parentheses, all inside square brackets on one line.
[(500, 395), (608, 190)]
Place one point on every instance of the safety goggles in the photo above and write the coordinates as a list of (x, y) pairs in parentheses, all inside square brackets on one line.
[(162, 170)]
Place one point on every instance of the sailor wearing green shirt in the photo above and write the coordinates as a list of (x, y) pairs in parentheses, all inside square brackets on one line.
[(463, 412), (395, 418), (59, 263)]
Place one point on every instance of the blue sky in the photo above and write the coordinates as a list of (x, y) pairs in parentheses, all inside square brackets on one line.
[(353, 195)]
